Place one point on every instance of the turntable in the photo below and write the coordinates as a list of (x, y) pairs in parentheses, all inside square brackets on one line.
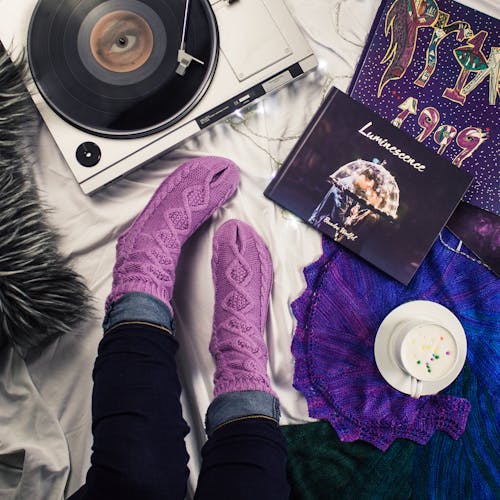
[(119, 82)]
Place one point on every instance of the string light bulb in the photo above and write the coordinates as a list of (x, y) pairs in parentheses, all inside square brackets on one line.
[(322, 64)]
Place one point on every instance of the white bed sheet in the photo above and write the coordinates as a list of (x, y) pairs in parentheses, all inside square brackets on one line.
[(89, 226)]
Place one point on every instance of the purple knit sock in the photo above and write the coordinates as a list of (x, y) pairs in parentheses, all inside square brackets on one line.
[(242, 272), (147, 252)]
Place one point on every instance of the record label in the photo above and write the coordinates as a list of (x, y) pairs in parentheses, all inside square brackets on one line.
[(122, 41)]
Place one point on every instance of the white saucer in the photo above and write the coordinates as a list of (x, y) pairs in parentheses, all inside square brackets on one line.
[(388, 367)]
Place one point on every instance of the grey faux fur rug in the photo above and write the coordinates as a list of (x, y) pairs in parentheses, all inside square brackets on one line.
[(41, 297)]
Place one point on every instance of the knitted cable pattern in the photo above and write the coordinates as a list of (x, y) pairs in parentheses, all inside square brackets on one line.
[(242, 274), (147, 253)]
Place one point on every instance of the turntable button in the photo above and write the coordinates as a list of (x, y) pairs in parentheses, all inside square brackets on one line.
[(88, 154)]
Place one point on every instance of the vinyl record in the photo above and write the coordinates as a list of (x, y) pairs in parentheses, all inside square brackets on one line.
[(109, 67)]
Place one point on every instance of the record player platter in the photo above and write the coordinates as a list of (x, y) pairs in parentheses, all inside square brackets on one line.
[(122, 68)]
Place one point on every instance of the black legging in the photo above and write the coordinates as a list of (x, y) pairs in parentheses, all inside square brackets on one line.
[(139, 450)]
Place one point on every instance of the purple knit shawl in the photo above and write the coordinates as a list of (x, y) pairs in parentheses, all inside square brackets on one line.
[(338, 315)]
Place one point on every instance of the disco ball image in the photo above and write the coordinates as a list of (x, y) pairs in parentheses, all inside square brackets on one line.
[(360, 190)]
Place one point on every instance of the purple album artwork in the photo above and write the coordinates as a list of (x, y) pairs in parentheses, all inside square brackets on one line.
[(432, 68), (480, 231)]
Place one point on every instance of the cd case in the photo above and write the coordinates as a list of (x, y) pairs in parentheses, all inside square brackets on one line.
[(369, 186)]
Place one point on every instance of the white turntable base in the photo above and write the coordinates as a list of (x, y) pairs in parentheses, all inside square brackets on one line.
[(251, 57)]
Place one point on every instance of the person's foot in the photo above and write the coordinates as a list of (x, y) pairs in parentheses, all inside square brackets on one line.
[(147, 252), (242, 273)]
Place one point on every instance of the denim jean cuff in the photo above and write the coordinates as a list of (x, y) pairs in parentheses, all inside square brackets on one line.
[(139, 307), (236, 405)]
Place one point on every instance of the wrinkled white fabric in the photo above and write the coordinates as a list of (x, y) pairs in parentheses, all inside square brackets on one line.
[(34, 454)]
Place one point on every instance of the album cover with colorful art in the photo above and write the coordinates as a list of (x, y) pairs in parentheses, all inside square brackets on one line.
[(369, 186), (480, 231), (432, 68)]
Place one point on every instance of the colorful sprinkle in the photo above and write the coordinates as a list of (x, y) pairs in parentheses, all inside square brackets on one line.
[(447, 353), (418, 362), (441, 338)]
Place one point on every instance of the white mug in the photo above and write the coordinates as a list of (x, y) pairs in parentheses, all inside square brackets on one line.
[(425, 349)]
